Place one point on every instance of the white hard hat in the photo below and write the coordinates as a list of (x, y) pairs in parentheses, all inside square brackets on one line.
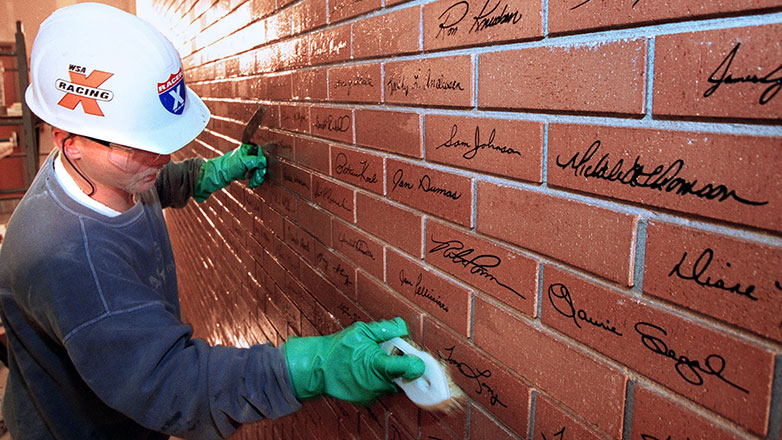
[(101, 72)]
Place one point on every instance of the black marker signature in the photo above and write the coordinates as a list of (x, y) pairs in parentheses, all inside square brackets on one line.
[(328, 194), (488, 17), (661, 178), (421, 290), (723, 76), (473, 149), (358, 244), (425, 185), (690, 370), (471, 373), (651, 437), (560, 291), (700, 267), (479, 265), (399, 181), (338, 124), (342, 166)]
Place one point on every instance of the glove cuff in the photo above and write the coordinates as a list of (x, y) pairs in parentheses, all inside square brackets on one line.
[(305, 367)]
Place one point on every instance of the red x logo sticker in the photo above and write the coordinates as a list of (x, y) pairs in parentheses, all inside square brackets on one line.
[(84, 89)]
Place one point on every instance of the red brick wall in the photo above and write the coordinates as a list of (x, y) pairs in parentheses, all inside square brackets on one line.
[(577, 204)]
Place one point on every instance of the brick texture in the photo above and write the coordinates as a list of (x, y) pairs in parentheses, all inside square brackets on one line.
[(576, 205)]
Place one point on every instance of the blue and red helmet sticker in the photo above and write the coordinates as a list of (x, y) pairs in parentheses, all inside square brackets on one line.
[(172, 93)]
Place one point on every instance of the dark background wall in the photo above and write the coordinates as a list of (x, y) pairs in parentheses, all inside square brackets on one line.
[(574, 203)]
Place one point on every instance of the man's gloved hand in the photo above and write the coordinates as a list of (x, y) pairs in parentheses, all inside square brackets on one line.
[(245, 161), (349, 365)]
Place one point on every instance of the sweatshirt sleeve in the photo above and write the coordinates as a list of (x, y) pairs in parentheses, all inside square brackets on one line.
[(176, 182), (144, 363)]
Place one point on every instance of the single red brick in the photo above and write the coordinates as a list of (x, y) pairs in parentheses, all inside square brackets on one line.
[(329, 46), (358, 247), (300, 241), (439, 297), (382, 303), (394, 33), (482, 426), (432, 427), (727, 73), (722, 176), (607, 78), (443, 194), (508, 276), (310, 85), (657, 417), (277, 144), (360, 83), (307, 15), (396, 225), (733, 280), (472, 22), (505, 147), (332, 123), (444, 82), (596, 239), (589, 387), (342, 9), (279, 87), (316, 222), (295, 118), (578, 15), (396, 132), (493, 386), (334, 197), (365, 170), (296, 179), (552, 422), (708, 366), (312, 154), (278, 198)]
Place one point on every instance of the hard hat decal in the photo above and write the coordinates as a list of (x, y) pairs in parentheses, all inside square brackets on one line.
[(172, 93), (84, 89)]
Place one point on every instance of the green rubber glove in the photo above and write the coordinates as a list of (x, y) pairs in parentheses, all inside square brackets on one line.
[(247, 160), (349, 365)]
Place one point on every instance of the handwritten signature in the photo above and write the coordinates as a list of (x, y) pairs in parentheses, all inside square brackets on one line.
[(661, 178), (421, 290), (700, 267), (471, 373), (342, 166), (339, 124), (358, 244), (424, 184), (328, 194), (473, 150), (559, 291), (479, 265), (354, 82), (722, 75), (429, 82), (692, 371), (488, 17)]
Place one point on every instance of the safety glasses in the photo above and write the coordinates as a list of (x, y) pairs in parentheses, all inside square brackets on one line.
[(129, 159)]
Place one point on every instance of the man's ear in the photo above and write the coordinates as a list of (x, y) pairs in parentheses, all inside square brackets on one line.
[(66, 143)]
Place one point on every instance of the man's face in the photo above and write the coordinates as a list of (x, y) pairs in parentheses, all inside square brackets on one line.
[(128, 169)]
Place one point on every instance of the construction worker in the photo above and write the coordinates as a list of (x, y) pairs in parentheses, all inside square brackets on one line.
[(88, 285)]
